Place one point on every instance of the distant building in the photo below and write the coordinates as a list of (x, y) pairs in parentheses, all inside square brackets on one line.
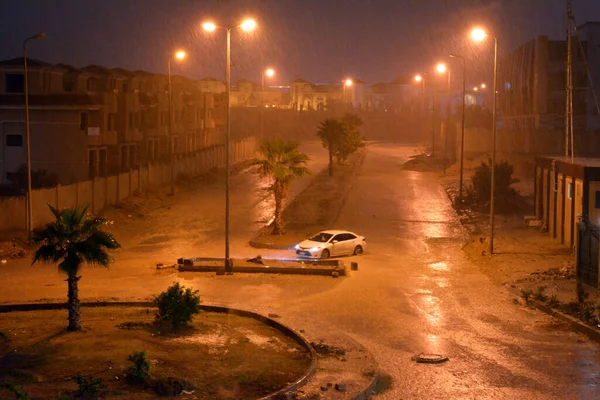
[(531, 83), (95, 121)]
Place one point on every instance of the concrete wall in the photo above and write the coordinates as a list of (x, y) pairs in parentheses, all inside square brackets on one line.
[(105, 192)]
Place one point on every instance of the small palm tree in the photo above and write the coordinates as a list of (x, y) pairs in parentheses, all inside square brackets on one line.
[(331, 132), (282, 163), (73, 239)]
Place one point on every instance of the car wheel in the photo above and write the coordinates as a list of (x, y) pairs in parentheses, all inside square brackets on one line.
[(358, 250), (325, 254)]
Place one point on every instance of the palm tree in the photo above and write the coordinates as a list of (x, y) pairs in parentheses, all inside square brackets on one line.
[(282, 163), (331, 132), (74, 238)]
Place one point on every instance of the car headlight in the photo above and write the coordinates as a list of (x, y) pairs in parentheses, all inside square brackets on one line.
[(315, 248), (297, 247)]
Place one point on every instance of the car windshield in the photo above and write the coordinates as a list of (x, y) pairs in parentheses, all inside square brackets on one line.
[(321, 237)]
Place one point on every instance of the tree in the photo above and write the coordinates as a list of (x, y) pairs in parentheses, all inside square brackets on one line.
[(73, 239), (352, 139), (281, 162), (331, 132)]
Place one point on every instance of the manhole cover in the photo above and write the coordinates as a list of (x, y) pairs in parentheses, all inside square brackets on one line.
[(430, 358)]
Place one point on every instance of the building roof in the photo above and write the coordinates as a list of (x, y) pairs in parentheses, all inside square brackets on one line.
[(18, 62), (298, 79), (62, 99), (402, 80)]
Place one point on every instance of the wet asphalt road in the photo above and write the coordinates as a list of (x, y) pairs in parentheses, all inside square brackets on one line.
[(414, 291)]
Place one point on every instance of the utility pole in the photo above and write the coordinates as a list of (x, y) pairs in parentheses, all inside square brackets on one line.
[(568, 91)]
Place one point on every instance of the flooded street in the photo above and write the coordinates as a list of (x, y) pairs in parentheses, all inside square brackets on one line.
[(414, 292)]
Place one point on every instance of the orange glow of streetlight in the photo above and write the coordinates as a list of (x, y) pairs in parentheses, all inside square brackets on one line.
[(475, 88), (348, 82), (418, 78), (441, 68), (248, 25), (180, 55), (483, 86), (478, 34), (270, 72), (209, 26)]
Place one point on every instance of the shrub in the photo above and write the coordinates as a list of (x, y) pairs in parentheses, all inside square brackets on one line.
[(141, 368), (177, 306), (16, 390), (553, 302), (88, 386), (540, 295), (482, 179), (526, 294)]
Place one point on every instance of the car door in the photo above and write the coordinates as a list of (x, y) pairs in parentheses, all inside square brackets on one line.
[(349, 243), (336, 245)]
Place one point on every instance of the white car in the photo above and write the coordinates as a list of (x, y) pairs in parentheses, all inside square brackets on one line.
[(330, 244)]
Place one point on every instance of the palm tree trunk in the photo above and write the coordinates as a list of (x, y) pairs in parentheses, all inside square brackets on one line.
[(330, 160), (73, 303), (277, 223)]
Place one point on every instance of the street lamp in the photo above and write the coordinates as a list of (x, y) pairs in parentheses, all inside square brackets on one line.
[(40, 35), (483, 86), (462, 127), (247, 25), (421, 78), (442, 68), (347, 83), (270, 73), (479, 35), (178, 55)]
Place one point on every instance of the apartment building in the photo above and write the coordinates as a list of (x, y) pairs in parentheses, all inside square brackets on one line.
[(531, 83), (96, 121)]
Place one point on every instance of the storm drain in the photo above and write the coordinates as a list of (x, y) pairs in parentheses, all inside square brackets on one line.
[(430, 358)]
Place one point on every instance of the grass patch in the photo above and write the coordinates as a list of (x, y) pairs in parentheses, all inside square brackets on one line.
[(220, 356)]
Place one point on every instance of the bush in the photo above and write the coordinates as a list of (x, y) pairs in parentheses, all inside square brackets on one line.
[(526, 294), (89, 387), (177, 306), (540, 295), (482, 179), (141, 368), (16, 390)]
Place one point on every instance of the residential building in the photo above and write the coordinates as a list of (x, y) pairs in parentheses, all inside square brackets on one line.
[(531, 83), (96, 121)]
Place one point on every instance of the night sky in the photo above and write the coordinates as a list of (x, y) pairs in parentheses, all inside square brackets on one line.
[(322, 40)]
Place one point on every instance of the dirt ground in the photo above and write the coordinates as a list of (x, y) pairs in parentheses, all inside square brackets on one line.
[(222, 356)]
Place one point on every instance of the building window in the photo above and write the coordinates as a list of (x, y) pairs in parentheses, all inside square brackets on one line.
[(570, 191), (15, 83), (112, 121), (84, 121), (597, 202), (14, 140)]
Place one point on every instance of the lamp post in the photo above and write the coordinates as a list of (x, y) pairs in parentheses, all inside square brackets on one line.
[(179, 55), (347, 84), (247, 25), (442, 68), (40, 35), (480, 35), (421, 78), (462, 126), (270, 73)]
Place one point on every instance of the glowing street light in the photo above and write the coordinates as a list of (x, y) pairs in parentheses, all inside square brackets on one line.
[(475, 88), (178, 55), (418, 78), (246, 25), (441, 68), (348, 82), (269, 72), (479, 35), (483, 86)]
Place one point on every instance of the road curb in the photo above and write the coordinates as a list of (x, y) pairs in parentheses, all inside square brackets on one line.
[(574, 323), (369, 391), (289, 332)]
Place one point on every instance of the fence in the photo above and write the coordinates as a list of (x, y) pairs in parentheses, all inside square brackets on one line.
[(100, 193)]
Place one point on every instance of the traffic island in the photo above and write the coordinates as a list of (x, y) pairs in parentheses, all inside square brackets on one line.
[(333, 268), (315, 209)]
